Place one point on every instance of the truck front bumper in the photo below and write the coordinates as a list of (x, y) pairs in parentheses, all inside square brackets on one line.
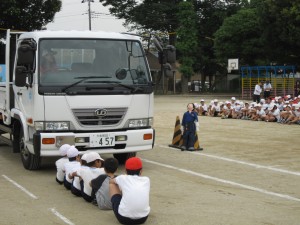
[(47, 144)]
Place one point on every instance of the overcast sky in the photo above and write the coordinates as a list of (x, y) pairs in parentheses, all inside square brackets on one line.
[(74, 16)]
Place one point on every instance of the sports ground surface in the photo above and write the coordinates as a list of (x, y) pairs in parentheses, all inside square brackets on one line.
[(248, 173)]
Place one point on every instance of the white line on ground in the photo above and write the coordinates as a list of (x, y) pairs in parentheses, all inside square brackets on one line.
[(20, 187), (60, 216), (225, 181), (242, 162)]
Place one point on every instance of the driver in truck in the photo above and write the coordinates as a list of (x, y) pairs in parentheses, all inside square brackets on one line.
[(48, 62)]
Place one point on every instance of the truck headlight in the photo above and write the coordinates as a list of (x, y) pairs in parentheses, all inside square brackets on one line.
[(52, 125), (144, 122)]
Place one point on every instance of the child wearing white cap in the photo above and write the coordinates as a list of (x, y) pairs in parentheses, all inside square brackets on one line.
[(94, 164), (60, 174), (202, 109), (286, 113), (215, 108), (76, 187), (296, 115), (71, 166)]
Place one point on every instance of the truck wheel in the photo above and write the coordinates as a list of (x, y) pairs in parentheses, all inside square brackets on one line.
[(30, 161), (16, 137), (122, 157)]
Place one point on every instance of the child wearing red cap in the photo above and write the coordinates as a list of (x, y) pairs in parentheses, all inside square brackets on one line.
[(130, 194)]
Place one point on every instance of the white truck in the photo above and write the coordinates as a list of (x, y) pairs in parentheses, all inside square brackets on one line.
[(88, 89)]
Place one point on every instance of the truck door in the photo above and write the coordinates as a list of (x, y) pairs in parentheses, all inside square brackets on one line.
[(24, 71)]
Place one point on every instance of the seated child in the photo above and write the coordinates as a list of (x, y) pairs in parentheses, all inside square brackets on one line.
[(71, 166), (60, 174), (130, 194), (93, 170), (100, 185)]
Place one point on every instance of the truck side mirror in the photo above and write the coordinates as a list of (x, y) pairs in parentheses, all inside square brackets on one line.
[(21, 74), (26, 54)]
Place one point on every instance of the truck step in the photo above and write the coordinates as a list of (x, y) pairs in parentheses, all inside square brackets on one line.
[(5, 129), (5, 140)]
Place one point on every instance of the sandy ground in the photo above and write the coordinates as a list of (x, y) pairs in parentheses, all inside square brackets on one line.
[(248, 173)]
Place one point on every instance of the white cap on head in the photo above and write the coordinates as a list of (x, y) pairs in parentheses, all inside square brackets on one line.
[(72, 152), (92, 156), (202, 100), (215, 100), (83, 157), (233, 98), (64, 149)]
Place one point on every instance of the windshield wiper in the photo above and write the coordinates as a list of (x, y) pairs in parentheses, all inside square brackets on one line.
[(80, 81), (115, 83)]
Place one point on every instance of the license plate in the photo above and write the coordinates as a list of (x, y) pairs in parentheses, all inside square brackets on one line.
[(102, 140)]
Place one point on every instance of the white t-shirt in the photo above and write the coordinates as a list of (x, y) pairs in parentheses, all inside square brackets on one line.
[(261, 112), (204, 107), (71, 167), (297, 113), (60, 174), (135, 196), (276, 113), (87, 174), (267, 86), (257, 90), (76, 181), (216, 107)]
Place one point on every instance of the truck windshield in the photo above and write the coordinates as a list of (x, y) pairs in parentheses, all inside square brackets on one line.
[(85, 66)]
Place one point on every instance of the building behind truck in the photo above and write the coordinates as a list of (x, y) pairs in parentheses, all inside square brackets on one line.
[(88, 89)]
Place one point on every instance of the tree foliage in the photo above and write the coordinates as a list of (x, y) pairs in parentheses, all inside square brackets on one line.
[(281, 23), (239, 37), (264, 32), (187, 40), (27, 15), (154, 15)]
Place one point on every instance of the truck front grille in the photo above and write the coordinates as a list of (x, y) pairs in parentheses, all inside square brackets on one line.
[(88, 117)]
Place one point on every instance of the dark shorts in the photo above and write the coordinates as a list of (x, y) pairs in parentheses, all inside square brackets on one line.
[(216, 113), (115, 200), (75, 191), (203, 113), (58, 181), (67, 184)]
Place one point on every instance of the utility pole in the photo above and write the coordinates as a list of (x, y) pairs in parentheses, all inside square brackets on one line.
[(89, 12)]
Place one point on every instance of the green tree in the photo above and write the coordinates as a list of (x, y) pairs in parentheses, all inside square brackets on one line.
[(281, 30), (27, 15), (211, 14), (240, 37), (148, 15), (187, 41)]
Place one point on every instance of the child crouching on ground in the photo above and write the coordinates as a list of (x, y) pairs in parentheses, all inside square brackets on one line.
[(71, 166), (60, 174), (130, 194), (93, 170)]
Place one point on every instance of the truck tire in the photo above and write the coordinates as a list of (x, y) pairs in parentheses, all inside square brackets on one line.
[(122, 157), (30, 161), (16, 137)]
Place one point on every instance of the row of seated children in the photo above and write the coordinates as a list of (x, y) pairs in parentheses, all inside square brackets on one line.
[(280, 109), (90, 177)]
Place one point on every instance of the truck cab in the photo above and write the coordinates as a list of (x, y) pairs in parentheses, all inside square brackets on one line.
[(89, 89)]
